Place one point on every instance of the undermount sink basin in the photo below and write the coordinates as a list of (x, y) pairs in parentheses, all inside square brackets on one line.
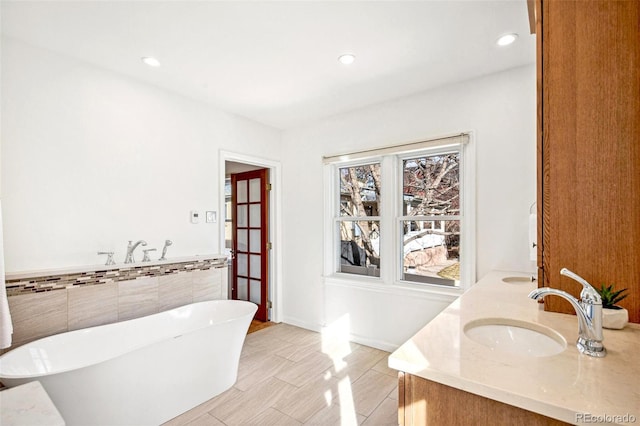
[(517, 280), (516, 337)]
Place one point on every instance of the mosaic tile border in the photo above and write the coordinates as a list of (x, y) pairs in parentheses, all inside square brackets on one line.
[(39, 284)]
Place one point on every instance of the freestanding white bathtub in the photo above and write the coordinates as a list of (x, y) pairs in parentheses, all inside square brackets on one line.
[(143, 371)]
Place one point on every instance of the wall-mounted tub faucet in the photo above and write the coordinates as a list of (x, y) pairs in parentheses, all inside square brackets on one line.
[(130, 248), (167, 243), (109, 254), (588, 310), (146, 257)]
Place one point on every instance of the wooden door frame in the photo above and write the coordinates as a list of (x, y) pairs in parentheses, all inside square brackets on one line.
[(275, 221)]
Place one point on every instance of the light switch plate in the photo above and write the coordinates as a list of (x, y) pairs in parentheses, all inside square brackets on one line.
[(195, 216), (211, 217)]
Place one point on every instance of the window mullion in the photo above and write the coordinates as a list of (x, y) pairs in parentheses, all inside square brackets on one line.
[(388, 212)]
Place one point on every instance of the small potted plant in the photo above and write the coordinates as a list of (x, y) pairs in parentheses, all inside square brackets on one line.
[(613, 316)]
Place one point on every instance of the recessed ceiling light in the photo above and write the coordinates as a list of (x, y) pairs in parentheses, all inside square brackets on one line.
[(152, 62), (506, 39), (347, 58)]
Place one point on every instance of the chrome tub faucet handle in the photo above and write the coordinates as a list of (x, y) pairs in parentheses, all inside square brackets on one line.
[(109, 254), (146, 258)]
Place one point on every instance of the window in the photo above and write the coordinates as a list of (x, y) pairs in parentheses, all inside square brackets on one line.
[(430, 220), (403, 214), (358, 219)]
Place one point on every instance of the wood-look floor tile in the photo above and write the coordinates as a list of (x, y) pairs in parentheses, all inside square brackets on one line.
[(393, 394), (383, 367), (285, 378), (255, 369), (336, 415), (250, 403), (297, 353), (263, 340), (251, 350), (205, 420), (307, 369), (295, 335), (357, 362), (370, 390), (385, 414), (308, 399), (271, 417), (203, 408)]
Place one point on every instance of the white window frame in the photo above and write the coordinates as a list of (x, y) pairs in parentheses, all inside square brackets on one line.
[(336, 212), (390, 215)]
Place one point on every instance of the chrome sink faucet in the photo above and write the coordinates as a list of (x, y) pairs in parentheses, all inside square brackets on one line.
[(588, 310), (130, 248)]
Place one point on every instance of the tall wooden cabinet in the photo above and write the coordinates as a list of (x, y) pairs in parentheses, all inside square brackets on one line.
[(589, 146)]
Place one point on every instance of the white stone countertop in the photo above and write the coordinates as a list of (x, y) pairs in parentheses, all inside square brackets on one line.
[(28, 404), (102, 267), (563, 386)]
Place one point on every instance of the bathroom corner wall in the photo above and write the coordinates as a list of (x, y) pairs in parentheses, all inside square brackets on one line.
[(500, 109), (44, 313)]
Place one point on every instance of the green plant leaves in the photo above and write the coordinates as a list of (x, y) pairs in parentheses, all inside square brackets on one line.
[(610, 297)]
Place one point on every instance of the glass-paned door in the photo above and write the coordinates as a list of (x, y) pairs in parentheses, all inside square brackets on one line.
[(250, 210)]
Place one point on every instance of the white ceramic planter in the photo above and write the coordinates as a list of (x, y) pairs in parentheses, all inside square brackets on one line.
[(615, 319)]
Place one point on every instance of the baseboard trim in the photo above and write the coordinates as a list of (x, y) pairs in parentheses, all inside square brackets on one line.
[(362, 340)]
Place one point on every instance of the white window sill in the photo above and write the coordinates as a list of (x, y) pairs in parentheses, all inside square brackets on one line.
[(374, 284)]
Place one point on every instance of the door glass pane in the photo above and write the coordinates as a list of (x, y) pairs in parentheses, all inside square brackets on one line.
[(360, 190), (242, 289), (255, 295), (431, 185), (242, 240), (431, 251), (241, 191), (255, 241), (242, 264), (255, 265), (360, 247), (254, 190), (242, 216), (254, 215)]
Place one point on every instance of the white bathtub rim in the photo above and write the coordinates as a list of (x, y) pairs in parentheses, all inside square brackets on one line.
[(95, 360)]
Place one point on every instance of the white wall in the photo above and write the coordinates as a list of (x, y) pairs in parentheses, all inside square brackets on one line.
[(91, 159), (499, 108)]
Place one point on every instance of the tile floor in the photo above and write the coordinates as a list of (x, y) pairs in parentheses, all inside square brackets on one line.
[(292, 376)]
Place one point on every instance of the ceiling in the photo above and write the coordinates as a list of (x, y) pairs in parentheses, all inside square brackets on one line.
[(276, 62)]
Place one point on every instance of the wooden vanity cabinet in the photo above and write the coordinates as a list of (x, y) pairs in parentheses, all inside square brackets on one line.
[(423, 402), (589, 146)]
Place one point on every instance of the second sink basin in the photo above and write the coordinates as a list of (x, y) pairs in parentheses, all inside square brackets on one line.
[(514, 336)]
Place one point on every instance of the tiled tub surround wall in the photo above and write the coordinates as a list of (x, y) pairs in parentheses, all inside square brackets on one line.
[(45, 304)]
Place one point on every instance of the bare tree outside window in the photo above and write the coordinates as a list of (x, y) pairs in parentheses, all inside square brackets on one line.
[(359, 219), (430, 220), (431, 188)]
